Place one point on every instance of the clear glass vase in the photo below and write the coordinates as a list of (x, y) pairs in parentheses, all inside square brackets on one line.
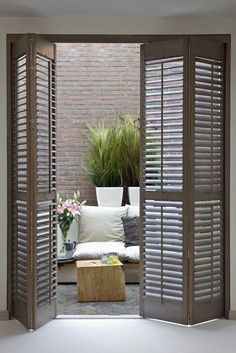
[(64, 238)]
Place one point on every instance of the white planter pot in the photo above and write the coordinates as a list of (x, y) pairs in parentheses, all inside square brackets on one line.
[(109, 196), (134, 199)]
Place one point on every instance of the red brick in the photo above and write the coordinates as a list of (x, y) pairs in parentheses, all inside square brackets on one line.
[(94, 82)]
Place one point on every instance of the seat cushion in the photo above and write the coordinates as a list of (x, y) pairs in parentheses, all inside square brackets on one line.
[(101, 224), (132, 254), (94, 250)]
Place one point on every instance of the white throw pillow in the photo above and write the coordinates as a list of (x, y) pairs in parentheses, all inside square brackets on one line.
[(133, 211), (98, 224), (94, 250)]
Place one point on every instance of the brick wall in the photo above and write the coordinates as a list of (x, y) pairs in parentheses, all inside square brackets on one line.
[(94, 81)]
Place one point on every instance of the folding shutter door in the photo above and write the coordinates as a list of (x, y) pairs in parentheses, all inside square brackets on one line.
[(34, 182), (163, 263), (182, 181), (207, 241)]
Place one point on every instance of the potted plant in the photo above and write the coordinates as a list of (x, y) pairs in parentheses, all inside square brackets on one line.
[(129, 155), (102, 165), (68, 210)]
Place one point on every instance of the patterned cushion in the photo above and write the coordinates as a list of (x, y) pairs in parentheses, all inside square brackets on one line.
[(132, 230)]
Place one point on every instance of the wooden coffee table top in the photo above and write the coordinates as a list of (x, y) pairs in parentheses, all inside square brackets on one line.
[(95, 263)]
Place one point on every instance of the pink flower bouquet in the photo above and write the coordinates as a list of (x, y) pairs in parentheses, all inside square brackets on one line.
[(67, 211)]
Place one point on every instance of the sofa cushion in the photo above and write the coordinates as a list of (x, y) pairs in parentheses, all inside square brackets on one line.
[(94, 250), (132, 230), (133, 211), (132, 253), (101, 224)]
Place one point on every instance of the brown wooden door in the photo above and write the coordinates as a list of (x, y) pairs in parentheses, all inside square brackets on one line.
[(33, 181), (182, 180)]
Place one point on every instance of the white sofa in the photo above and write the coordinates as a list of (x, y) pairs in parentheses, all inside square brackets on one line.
[(100, 231)]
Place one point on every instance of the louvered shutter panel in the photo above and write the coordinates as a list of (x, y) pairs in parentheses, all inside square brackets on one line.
[(208, 238), (182, 180), (34, 182), (163, 250)]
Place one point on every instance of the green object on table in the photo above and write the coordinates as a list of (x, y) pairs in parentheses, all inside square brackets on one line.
[(111, 258), (115, 259)]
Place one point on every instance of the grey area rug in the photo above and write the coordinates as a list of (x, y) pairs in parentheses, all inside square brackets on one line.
[(67, 303)]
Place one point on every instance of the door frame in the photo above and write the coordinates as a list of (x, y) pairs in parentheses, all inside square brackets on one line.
[(124, 38)]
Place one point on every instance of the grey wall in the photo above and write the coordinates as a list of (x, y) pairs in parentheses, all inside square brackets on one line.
[(108, 25)]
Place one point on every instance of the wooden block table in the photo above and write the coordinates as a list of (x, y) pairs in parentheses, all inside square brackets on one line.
[(100, 282)]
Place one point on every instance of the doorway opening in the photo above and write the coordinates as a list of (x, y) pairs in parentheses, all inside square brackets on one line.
[(98, 84)]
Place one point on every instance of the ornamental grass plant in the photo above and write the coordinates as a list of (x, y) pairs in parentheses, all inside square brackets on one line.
[(103, 148), (113, 153), (128, 158)]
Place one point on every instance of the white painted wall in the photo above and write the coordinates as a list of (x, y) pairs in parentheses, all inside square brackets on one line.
[(109, 25)]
